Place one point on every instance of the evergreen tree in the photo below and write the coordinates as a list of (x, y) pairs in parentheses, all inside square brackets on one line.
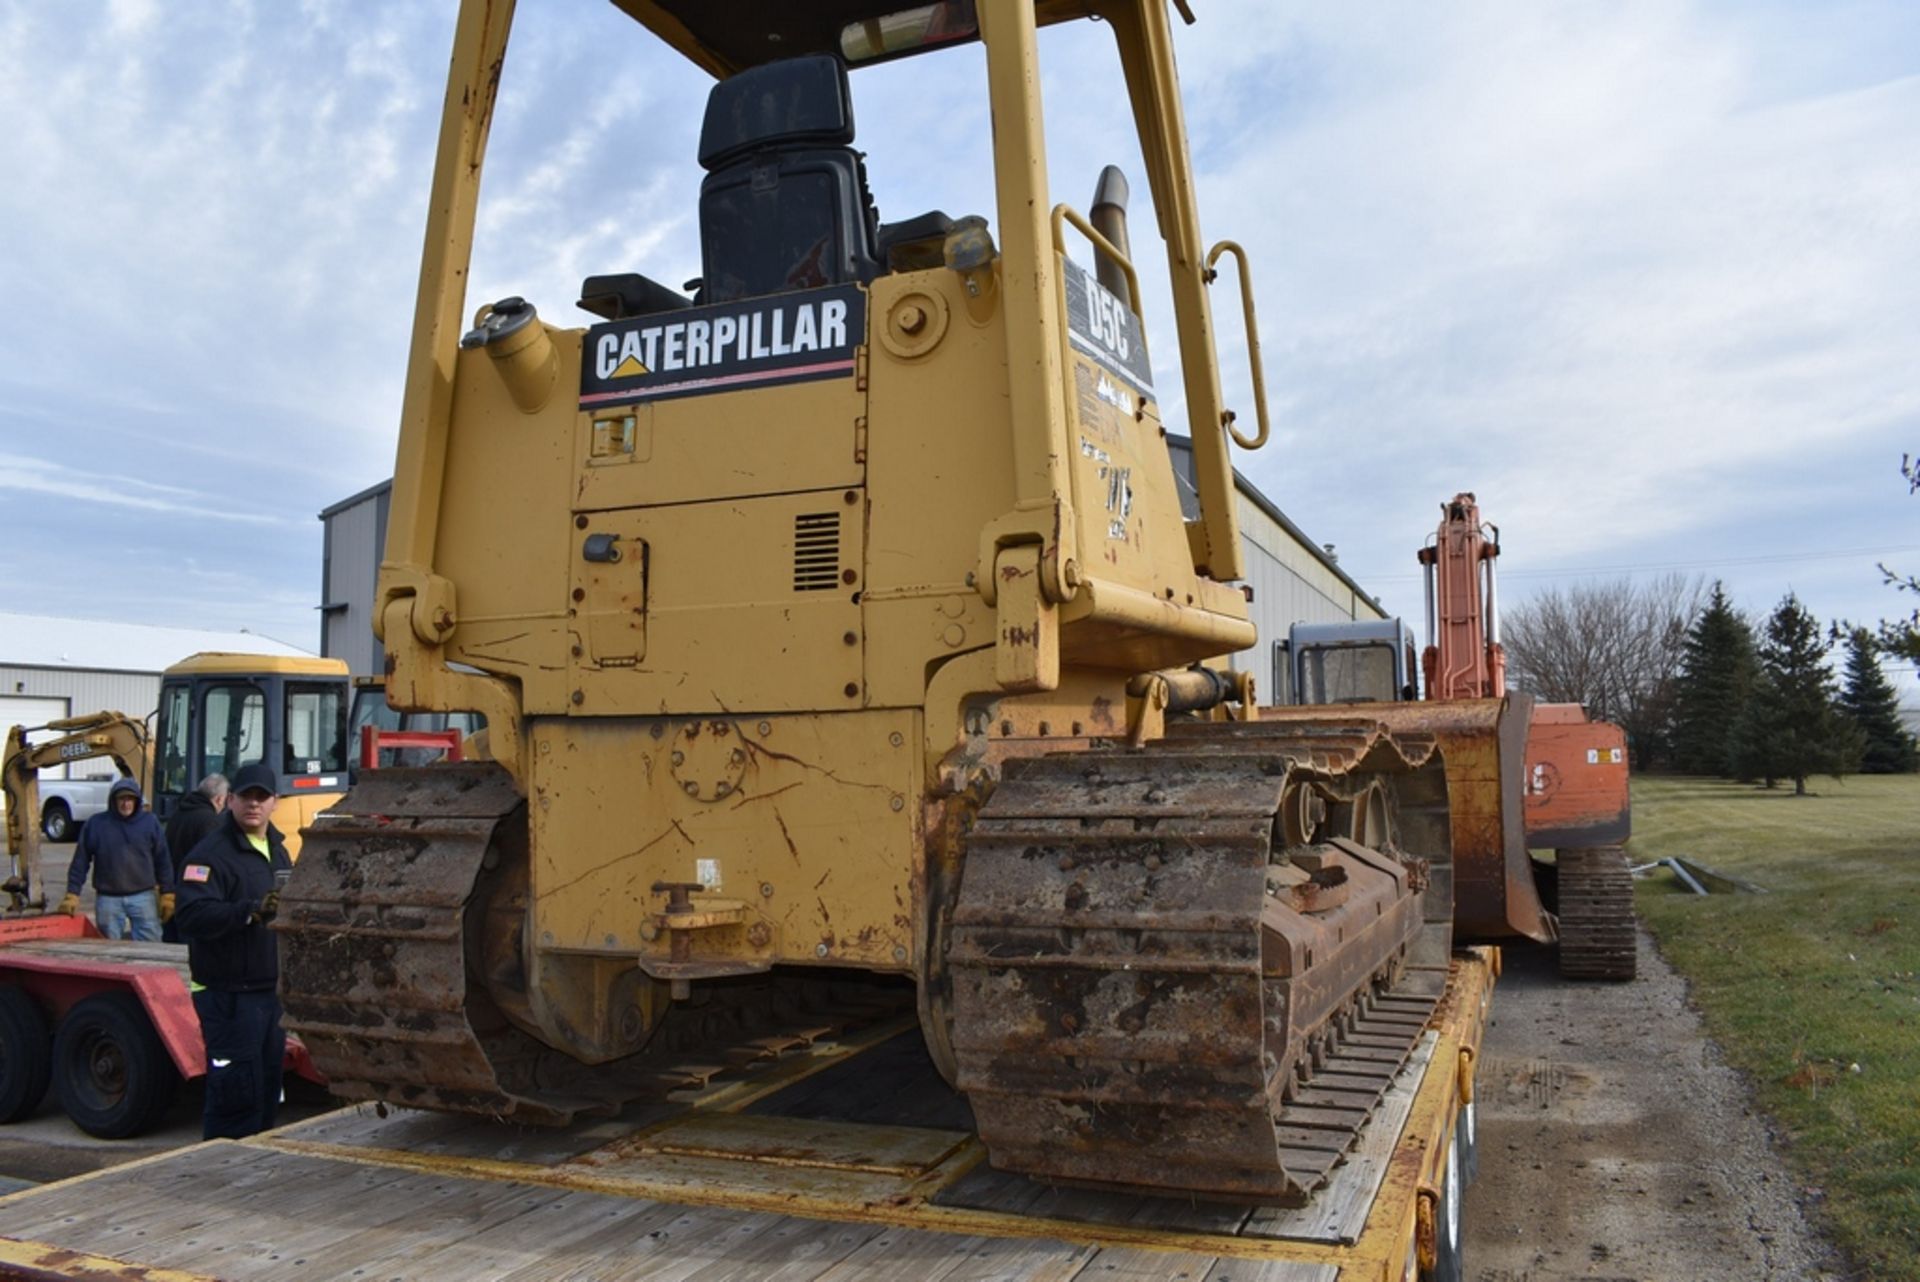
[(1792, 727), (1715, 681), (1869, 702)]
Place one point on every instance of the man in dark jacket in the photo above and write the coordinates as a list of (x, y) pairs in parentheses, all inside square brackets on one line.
[(198, 814), (132, 872), (229, 894)]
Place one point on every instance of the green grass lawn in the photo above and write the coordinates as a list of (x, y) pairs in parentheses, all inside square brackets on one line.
[(1802, 984)]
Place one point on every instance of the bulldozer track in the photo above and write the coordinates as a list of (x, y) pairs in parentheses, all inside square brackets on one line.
[(379, 956), (1115, 1021), (1596, 914)]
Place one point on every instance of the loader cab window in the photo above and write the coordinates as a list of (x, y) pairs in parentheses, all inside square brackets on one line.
[(909, 31), (316, 728), (235, 718), (171, 774), (1348, 674)]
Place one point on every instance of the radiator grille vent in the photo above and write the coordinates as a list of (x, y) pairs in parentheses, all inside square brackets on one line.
[(816, 552)]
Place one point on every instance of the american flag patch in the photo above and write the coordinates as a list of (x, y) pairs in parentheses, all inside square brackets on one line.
[(195, 872)]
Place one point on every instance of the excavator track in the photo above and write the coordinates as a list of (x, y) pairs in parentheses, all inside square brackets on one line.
[(381, 951), (1126, 1011), (1596, 914)]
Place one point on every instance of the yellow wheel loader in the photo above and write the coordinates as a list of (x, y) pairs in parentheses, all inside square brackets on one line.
[(842, 646)]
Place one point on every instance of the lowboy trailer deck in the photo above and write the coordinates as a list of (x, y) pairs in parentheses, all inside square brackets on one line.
[(821, 1153)]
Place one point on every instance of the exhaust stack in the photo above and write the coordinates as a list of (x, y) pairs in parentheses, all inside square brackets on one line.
[(1109, 218)]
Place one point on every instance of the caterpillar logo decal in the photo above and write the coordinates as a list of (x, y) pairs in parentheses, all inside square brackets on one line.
[(785, 338)]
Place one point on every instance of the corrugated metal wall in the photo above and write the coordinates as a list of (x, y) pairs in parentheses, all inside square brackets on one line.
[(1291, 584), (355, 539)]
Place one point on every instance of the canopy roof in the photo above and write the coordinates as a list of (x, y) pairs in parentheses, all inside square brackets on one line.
[(725, 36)]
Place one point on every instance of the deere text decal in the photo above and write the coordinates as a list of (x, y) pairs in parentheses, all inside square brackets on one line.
[(785, 338)]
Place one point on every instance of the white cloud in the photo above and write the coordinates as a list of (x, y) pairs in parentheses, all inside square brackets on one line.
[(38, 476)]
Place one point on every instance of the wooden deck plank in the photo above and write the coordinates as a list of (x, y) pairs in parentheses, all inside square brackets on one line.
[(442, 1214), (627, 1240), (304, 1225), (840, 1241), (463, 1135), (544, 1234), (63, 1214), (121, 951), (1141, 1264), (813, 1246), (703, 1237), (1271, 1271), (179, 1229), (899, 1254)]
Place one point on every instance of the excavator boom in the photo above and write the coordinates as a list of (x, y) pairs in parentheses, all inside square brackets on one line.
[(104, 734)]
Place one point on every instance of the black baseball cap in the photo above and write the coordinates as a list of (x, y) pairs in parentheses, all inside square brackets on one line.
[(257, 777)]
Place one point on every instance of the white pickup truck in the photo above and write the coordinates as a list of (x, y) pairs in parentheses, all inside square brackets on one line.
[(65, 804)]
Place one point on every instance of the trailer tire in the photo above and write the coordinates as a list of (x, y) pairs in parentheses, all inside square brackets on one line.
[(112, 1075), (1466, 1138), (56, 821), (26, 1055), (1448, 1265)]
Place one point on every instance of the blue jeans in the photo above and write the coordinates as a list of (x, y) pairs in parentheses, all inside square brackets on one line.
[(129, 916)]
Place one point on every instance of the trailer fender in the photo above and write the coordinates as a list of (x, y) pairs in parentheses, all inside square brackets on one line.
[(61, 982)]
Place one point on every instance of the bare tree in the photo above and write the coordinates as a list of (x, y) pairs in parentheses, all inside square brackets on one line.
[(1615, 647)]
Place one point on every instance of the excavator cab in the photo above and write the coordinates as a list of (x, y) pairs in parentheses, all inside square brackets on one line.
[(837, 628)]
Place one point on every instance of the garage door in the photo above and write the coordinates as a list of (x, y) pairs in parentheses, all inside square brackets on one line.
[(20, 710)]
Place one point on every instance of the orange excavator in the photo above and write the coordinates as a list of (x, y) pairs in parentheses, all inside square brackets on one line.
[(1522, 775)]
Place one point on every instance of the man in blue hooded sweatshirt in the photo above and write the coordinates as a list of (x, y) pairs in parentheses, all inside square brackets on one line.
[(132, 870)]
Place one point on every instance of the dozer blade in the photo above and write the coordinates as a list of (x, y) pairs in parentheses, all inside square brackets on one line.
[(1484, 742), (1152, 992)]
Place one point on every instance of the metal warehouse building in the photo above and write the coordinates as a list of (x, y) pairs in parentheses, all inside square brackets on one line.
[(53, 667), (1292, 577), (355, 538)]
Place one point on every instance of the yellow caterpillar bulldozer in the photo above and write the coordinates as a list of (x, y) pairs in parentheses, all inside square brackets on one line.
[(842, 647)]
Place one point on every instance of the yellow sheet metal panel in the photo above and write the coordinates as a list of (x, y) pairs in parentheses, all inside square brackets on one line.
[(723, 444), (746, 604), (504, 548), (939, 469), (809, 824), (210, 662)]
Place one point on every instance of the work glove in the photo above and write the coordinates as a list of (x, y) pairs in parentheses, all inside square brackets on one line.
[(269, 908), (166, 907), (70, 905)]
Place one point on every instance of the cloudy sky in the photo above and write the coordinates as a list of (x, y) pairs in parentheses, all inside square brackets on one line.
[(1644, 275)]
